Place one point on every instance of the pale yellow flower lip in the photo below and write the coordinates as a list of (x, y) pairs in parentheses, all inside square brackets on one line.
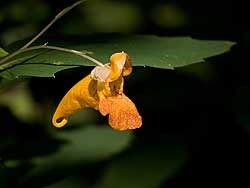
[(102, 90)]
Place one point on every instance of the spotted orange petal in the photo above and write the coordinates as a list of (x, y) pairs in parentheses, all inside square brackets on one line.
[(122, 112)]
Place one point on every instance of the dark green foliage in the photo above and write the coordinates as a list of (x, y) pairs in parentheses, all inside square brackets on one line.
[(152, 51), (195, 130)]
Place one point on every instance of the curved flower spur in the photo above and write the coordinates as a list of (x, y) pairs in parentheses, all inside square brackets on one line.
[(103, 91)]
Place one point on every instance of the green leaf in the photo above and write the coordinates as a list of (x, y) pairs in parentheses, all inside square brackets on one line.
[(3, 52), (83, 145), (20, 102), (145, 167), (36, 70), (153, 51)]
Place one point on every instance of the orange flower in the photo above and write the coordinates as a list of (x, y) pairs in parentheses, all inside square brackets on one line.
[(103, 91)]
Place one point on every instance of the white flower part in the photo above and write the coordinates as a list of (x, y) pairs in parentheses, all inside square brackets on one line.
[(100, 73)]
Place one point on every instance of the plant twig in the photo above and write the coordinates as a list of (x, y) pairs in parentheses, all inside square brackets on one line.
[(76, 52), (45, 46), (27, 48), (58, 16)]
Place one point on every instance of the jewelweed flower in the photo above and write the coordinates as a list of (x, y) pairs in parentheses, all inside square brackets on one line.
[(102, 90)]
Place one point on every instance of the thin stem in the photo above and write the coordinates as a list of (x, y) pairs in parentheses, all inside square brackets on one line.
[(13, 62), (81, 54), (6, 65), (58, 16), (5, 59)]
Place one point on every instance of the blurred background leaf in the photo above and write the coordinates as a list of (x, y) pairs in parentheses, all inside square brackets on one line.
[(169, 15), (84, 145), (3, 52), (146, 166), (19, 100), (118, 16)]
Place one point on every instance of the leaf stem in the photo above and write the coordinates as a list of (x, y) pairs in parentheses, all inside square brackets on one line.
[(27, 48), (6, 65), (58, 16), (81, 54)]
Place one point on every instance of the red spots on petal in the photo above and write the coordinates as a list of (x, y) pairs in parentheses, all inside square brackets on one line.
[(123, 114)]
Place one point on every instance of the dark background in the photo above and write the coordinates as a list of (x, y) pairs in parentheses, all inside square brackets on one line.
[(204, 106)]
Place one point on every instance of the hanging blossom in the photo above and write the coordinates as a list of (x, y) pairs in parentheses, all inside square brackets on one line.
[(102, 90)]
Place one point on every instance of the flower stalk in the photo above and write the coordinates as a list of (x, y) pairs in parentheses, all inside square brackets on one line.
[(5, 63)]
